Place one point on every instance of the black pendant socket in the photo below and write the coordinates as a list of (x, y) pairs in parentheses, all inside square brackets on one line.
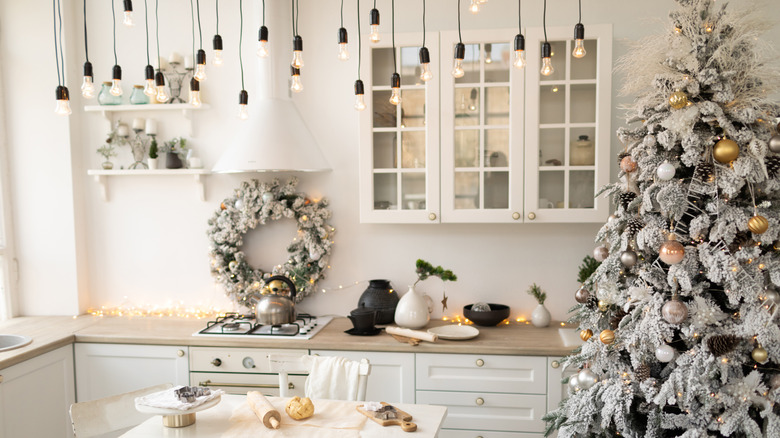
[(395, 80), (201, 57), (194, 85), (62, 93), (116, 72), (342, 35), (159, 79), (243, 97), (149, 72), (128, 5), (359, 90), (295, 71), (579, 31), (88, 69), (460, 51), (297, 43), (425, 56), (373, 16), (263, 34), (217, 42), (546, 50), (519, 42)]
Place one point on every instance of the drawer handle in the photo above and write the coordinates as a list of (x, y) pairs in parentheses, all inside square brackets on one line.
[(480, 401), (180, 353), (555, 364), (480, 362), (532, 215), (216, 362), (290, 385), (432, 216)]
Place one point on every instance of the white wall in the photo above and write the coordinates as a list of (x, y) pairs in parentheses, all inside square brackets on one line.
[(148, 243)]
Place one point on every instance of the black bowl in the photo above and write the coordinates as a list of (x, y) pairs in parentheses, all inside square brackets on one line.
[(496, 314)]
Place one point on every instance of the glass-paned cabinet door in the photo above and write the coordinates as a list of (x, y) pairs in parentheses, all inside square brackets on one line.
[(399, 144), (568, 127), (481, 130)]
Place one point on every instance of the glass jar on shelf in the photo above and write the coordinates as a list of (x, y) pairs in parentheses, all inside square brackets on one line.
[(582, 152), (137, 97), (106, 98)]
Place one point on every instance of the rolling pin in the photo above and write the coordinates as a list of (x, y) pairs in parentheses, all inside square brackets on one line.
[(415, 334), (264, 410)]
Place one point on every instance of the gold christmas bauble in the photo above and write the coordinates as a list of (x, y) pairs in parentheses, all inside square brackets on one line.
[(607, 336), (627, 164), (758, 224), (586, 334), (726, 151), (671, 251), (603, 305), (760, 354), (678, 100)]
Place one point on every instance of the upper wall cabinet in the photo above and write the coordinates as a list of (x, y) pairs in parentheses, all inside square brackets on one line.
[(500, 144)]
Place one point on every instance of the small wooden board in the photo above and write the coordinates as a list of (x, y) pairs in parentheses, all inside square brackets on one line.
[(403, 419)]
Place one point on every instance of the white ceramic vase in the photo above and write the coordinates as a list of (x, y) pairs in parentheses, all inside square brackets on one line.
[(152, 163), (540, 316), (412, 310)]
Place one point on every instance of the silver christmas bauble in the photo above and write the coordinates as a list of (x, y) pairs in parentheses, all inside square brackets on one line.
[(267, 196), (775, 381), (239, 204), (600, 253), (587, 378), (674, 312), (611, 219), (664, 353), (772, 297), (582, 295), (665, 171), (774, 143), (573, 382), (628, 258)]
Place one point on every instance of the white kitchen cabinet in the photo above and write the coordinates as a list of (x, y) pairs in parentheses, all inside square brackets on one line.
[(36, 394), (103, 370), (392, 374)]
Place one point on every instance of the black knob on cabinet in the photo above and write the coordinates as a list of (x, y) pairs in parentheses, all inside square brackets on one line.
[(216, 362)]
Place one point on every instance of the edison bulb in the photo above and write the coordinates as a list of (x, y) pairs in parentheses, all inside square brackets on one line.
[(62, 108), (243, 113), (457, 68), (87, 88), (519, 59), (262, 49), (547, 67), (162, 95), (128, 20), (297, 60), (360, 103), (200, 72), (116, 87), (296, 85), (426, 74), (579, 49), (218, 60), (149, 89), (474, 7), (374, 36), (195, 98), (395, 96), (343, 52)]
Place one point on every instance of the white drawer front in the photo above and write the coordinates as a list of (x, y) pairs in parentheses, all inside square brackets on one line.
[(452, 433), (232, 383), (487, 411), (482, 373), (234, 360)]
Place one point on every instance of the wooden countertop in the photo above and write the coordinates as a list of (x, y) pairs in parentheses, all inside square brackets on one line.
[(51, 332)]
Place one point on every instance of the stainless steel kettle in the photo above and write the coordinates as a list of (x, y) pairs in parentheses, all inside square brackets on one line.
[(272, 308)]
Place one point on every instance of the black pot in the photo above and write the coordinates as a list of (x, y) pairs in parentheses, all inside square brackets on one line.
[(172, 161), (382, 298)]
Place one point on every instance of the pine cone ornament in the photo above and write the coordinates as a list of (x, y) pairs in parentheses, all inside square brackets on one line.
[(704, 171), (625, 198), (722, 344), (642, 372), (634, 225), (740, 241), (614, 322), (622, 155), (772, 165)]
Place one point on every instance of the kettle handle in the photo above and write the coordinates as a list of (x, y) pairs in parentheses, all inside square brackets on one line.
[(286, 280)]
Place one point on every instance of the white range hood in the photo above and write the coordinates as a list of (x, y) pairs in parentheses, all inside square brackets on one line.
[(275, 137)]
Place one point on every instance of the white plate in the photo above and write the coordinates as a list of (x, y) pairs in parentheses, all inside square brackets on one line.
[(455, 332)]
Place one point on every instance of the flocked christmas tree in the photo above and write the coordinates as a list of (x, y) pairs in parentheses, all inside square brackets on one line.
[(679, 318)]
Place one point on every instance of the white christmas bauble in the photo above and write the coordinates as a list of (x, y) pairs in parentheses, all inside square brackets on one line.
[(573, 382), (314, 255), (664, 353), (665, 171), (587, 378), (267, 196), (239, 204), (674, 311)]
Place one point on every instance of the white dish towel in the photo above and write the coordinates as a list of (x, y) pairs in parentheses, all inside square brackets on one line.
[(334, 378)]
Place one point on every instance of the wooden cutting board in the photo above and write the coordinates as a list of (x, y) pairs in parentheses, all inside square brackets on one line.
[(402, 418)]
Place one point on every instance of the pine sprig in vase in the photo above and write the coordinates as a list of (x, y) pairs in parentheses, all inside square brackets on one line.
[(540, 317)]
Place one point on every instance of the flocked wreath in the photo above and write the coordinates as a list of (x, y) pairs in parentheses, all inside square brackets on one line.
[(256, 203)]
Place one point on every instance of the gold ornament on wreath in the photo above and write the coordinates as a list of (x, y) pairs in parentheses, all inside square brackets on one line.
[(254, 204)]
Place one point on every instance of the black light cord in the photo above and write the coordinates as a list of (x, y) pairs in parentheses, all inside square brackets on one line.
[(423, 17), (580, 3), (292, 18), (217, 12), (146, 17), (520, 16), (113, 22), (544, 20), (360, 42), (157, 29), (392, 18), (342, 13), (62, 56), (86, 46), (192, 18), (460, 38), (297, 13), (56, 54), (241, 39), (200, 32), (263, 12)]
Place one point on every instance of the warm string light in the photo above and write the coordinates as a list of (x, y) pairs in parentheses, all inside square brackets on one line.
[(159, 78), (297, 60), (579, 36), (116, 71), (87, 84), (179, 310), (460, 52), (200, 57), (395, 78), (342, 38), (262, 38), (217, 42), (425, 56), (547, 67), (149, 86), (128, 18), (360, 103), (373, 20), (474, 7), (519, 62)]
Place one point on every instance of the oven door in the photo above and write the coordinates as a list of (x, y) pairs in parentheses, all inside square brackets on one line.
[(240, 383)]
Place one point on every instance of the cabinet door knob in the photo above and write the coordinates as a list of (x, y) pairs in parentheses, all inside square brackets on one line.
[(480, 401), (555, 364), (180, 353), (216, 362), (532, 215), (480, 362), (432, 216), (515, 215)]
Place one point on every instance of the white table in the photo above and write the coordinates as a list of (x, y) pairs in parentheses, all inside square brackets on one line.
[(215, 421)]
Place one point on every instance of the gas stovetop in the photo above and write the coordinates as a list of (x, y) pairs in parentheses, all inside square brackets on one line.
[(236, 325)]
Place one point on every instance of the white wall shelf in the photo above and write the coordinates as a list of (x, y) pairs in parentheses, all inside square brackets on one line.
[(101, 177), (108, 110)]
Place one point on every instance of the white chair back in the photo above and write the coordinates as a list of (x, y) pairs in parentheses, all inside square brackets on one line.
[(98, 418), (285, 364)]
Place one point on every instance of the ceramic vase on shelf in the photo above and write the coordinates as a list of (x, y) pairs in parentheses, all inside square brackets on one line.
[(172, 161), (540, 316), (152, 163), (413, 310)]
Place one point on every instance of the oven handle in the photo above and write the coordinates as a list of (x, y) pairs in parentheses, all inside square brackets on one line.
[(290, 385)]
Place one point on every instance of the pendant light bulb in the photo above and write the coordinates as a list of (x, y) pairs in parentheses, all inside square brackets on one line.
[(360, 103), (488, 53), (217, 44), (579, 43), (63, 104), (116, 81), (149, 88), (159, 80), (195, 93), (343, 51), (547, 67), (297, 61), (373, 18), (87, 85), (243, 100), (200, 67), (460, 53), (296, 86), (128, 20), (474, 7), (519, 62), (395, 86), (262, 42), (425, 62)]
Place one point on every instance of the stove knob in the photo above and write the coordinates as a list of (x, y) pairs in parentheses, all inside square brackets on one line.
[(216, 362), (248, 362)]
